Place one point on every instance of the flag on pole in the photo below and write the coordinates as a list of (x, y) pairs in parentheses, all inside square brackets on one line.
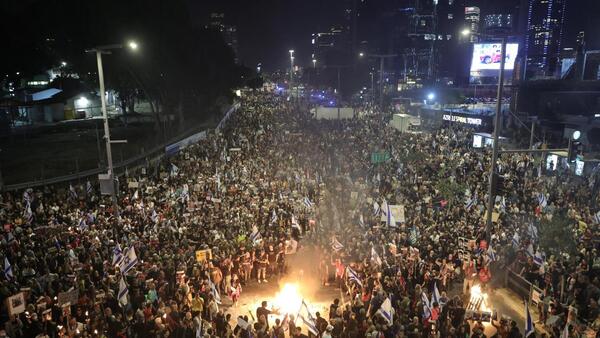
[(28, 214), (516, 239), (336, 245), (27, 198), (129, 261), (390, 221), (532, 231), (308, 319), (8, 270), (529, 329), (353, 276), (376, 208), (386, 311), (273, 217), (491, 254), (89, 189), (361, 221), (375, 259), (307, 202), (123, 293), (117, 255), (538, 258)]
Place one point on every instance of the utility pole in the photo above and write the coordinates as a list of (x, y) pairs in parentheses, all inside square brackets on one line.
[(495, 145), (381, 58)]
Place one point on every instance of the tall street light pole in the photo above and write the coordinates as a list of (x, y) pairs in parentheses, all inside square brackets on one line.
[(99, 51), (291, 69), (492, 174), (381, 58)]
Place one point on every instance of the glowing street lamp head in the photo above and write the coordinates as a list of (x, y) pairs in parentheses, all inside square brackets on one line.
[(63, 63), (466, 32), (82, 102), (132, 45), (291, 52), (430, 96), (361, 54)]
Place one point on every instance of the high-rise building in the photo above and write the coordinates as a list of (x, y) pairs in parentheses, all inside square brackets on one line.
[(229, 32), (545, 19), (472, 18), (497, 24)]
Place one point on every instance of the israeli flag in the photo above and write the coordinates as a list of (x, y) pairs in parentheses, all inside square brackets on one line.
[(385, 208), (361, 221), (28, 214), (386, 311), (390, 221), (174, 169), (426, 305), (470, 202), (529, 329), (491, 254), (376, 208), (308, 320), (295, 223), (516, 239), (88, 188), (72, 191), (82, 225), (597, 218), (538, 258), (214, 291), (8, 270), (27, 197), (129, 261), (542, 200), (353, 276), (307, 202), (530, 251), (255, 236), (273, 217), (336, 245), (375, 259), (154, 216), (533, 231), (123, 293), (435, 296), (117, 255)]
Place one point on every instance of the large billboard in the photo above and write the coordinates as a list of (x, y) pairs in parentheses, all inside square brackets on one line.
[(486, 60)]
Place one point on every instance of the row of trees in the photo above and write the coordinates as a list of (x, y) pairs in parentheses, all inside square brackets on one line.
[(182, 67)]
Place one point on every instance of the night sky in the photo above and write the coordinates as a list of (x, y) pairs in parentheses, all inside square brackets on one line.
[(267, 29)]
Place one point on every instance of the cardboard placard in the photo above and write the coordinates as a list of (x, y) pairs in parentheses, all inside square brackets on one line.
[(203, 255), (16, 304), (71, 296), (133, 185)]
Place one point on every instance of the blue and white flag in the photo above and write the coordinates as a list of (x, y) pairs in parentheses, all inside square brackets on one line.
[(28, 214), (542, 200), (532, 231), (530, 251), (255, 235), (426, 305), (529, 329), (491, 254), (353, 276), (123, 293), (436, 296), (385, 208), (273, 217), (336, 245), (375, 259), (295, 223), (308, 203), (8, 270), (597, 218), (361, 221), (174, 169), (117, 255), (213, 291), (82, 225), (470, 202), (516, 240), (376, 208), (538, 258), (308, 319), (89, 189), (386, 311), (154, 216), (27, 198), (129, 260), (72, 192), (390, 221)]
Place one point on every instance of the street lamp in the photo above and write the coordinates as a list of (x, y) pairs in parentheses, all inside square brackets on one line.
[(314, 61), (430, 96), (361, 54), (465, 32), (99, 51), (291, 67)]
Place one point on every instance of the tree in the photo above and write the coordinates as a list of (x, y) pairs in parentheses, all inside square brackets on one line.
[(556, 236)]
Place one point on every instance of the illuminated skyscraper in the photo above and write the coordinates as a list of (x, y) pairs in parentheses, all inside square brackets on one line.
[(545, 19), (472, 18)]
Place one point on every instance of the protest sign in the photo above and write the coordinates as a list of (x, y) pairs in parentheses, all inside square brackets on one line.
[(16, 304), (203, 255), (71, 296)]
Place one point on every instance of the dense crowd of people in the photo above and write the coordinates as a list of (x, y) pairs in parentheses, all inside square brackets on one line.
[(403, 237)]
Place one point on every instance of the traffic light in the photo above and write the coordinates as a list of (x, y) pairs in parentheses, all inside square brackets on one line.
[(575, 149)]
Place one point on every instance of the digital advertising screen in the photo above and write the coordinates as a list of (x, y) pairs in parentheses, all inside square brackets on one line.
[(485, 62)]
